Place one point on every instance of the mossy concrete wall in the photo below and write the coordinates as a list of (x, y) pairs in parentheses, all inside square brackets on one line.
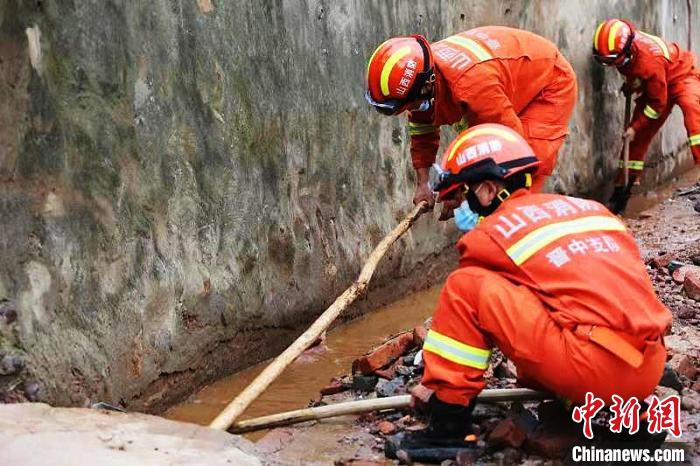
[(184, 183)]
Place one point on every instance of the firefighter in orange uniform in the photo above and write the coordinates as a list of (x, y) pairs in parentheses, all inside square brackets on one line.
[(663, 74), (489, 74), (555, 282)]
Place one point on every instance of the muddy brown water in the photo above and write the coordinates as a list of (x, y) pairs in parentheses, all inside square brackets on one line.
[(301, 381)]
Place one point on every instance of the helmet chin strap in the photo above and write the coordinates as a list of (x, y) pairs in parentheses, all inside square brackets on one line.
[(485, 211)]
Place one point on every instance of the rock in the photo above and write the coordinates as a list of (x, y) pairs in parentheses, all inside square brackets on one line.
[(690, 401), (384, 354), (507, 433), (364, 383), (680, 273), (683, 365), (662, 261), (418, 360), (686, 313), (696, 207), (670, 379), (467, 457), (448, 463), (389, 372), (11, 364), (386, 388), (664, 392), (335, 386), (691, 284), (551, 444), (483, 411), (419, 334), (8, 314), (695, 259), (33, 391), (506, 370), (386, 427)]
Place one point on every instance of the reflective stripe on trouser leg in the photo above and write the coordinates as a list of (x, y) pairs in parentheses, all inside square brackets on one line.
[(694, 143), (456, 351), (633, 164)]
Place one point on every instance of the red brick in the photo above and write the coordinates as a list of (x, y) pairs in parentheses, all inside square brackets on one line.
[(691, 284), (335, 386), (661, 262), (507, 433), (551, 445), (383, 355), (684, 366), (679, 274), (389, 372), (386, 427), (419, 334)]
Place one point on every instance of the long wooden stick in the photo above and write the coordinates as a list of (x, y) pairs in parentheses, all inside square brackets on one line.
[(271, 372), (375, 404), (626, 147)]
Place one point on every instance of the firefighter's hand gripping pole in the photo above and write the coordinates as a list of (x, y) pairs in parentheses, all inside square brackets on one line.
[(271, 372)]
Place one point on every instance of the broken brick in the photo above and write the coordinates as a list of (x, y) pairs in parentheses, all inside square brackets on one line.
[(691, 284), (335, 386), (386, 427), (662, 261), (419, 334), (389, 372), (384, 354), (683, 365), (507, 433), (679, 274), (550, 444)]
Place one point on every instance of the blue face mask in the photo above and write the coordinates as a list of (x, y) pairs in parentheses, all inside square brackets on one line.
[(465, 218)]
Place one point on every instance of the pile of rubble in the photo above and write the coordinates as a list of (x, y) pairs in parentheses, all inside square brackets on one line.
[(511, 433)]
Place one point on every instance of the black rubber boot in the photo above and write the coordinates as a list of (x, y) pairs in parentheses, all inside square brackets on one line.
[(449, 431), (619, 199)]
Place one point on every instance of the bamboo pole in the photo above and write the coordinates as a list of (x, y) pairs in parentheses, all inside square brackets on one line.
[(271, 372), (375, 404)]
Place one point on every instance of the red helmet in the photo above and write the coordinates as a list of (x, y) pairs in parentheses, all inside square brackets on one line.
[(612, 41), (488, 151), (397, 71)]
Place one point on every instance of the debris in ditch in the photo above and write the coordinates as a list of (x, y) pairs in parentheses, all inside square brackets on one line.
[(691, 283), (336, 385), (384, 355), (364, 383)]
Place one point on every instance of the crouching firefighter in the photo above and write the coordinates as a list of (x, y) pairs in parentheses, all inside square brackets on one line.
[(555, 282)]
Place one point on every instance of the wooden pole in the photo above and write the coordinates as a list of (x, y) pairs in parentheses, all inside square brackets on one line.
[(626, 147), (271, 372), (375, 404)]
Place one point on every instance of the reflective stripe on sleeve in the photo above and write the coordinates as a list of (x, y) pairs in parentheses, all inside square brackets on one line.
[(416, 129), (651, 113), (633, 164), (472, 46), (455, 351), (660, 42), (694, 140), (540, 238)]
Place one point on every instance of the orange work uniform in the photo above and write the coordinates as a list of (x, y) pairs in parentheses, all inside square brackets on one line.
[(664, 75), (500, 75), (559, 286)]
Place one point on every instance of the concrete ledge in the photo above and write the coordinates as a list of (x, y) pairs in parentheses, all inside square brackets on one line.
[(37, 434)]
